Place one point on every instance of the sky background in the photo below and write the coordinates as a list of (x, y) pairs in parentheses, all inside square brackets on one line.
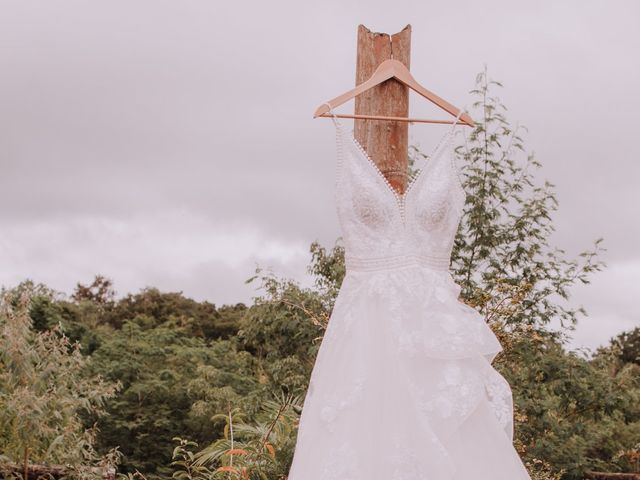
[(172, 143)]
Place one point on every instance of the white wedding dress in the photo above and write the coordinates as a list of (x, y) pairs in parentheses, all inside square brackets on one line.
[(403, 387)]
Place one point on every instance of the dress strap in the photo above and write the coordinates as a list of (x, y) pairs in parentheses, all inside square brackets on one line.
[(339, 142), (462, 110), (334, 117), (453, 163)]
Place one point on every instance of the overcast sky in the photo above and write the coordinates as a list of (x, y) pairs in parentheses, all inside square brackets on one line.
[(172, 144)]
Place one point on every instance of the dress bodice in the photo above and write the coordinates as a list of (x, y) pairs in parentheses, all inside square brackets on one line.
[(382, 228)]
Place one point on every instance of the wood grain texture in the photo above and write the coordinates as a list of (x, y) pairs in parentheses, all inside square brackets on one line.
[(386, 142)]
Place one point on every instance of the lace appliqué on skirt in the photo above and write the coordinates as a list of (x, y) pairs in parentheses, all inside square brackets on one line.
[(456, 394), (343, 464), (335, 402), (501, 400)]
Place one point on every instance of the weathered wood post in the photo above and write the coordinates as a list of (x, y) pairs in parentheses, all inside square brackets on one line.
[(386, 142)]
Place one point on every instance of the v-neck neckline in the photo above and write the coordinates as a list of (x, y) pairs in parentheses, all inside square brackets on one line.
[(402, 197)]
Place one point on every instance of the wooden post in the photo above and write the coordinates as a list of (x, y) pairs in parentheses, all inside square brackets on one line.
[(386, 142)]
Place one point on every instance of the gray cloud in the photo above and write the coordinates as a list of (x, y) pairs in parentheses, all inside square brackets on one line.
[(172, 143)]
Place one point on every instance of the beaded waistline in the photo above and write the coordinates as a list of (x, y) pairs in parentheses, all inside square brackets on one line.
[(395, 261)]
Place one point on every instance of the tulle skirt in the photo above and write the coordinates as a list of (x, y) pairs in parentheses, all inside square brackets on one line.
[(403, 387)]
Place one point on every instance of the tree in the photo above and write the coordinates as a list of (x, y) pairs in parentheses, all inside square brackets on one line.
[(502, 250), (172, 382), (262, 450), (42, 389), (100, 291), (627, 346)]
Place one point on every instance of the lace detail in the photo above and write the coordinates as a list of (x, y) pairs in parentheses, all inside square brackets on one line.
[(377, 221), (501, 400), (341, 318), (342, 464), (436, 201), (389, 262), (400, 197), (406, 464), (422, 307), (366, 207), (334, 402), (456, 394), (339, 158), (338, 328), (423, 461), (457, 336), (405, 459)]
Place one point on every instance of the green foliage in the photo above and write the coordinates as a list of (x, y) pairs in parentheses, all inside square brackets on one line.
[(172, 383), (176, 361), (282, 330), (201, 319), (574, 413), (261, 450), (504, 235), (626, 347), (43, 386)]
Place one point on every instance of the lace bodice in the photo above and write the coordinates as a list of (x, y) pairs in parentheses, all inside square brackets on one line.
[(383, 228)]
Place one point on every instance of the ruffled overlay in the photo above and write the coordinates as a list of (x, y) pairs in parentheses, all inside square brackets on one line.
[(403, 358)]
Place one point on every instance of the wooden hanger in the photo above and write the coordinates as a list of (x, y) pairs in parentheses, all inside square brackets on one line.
[(393, 69)]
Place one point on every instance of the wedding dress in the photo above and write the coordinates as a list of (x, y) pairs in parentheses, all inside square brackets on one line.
[(402, 387)]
